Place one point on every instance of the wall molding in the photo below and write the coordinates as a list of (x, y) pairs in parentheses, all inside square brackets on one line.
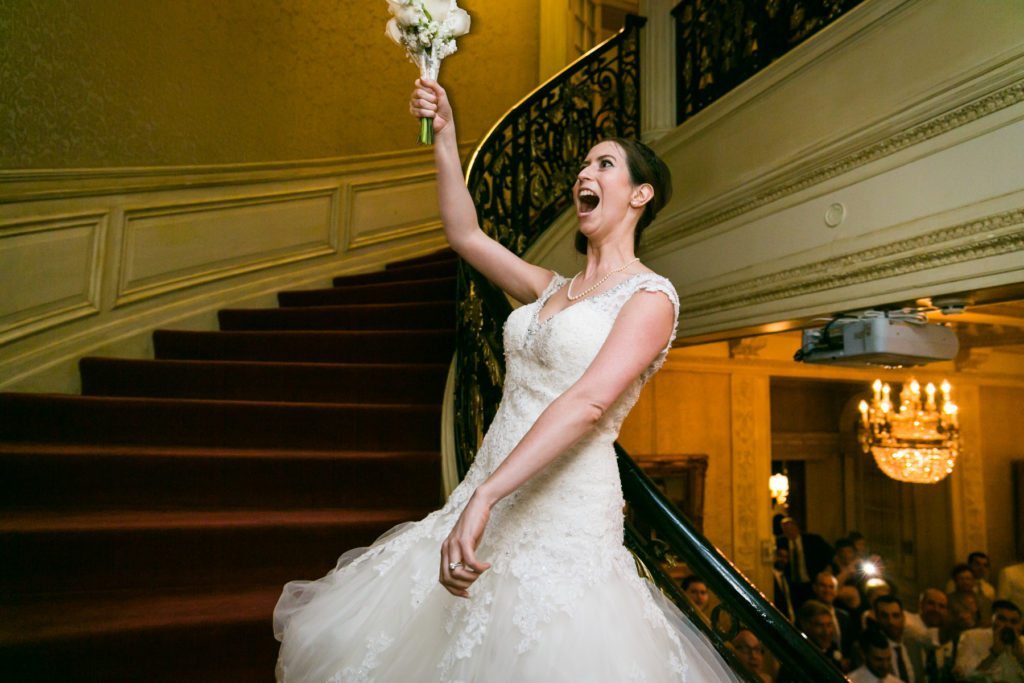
[(30, 184), (750, 459), (224, 265), (72, 305), (170, 246), (970, 530), (797, 178), (992, 235), (358, 236)]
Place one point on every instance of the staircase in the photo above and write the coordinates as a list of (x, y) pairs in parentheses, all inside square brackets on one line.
[(148, 525)]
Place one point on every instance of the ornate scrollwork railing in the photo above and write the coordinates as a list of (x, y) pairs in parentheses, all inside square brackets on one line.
[(521, 178), (721, 43)]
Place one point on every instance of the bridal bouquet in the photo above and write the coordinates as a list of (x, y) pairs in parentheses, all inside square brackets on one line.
[(427, 29)]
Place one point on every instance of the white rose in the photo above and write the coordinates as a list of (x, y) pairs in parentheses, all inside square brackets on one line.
[(438, 9), (393, 32), (459, 22), (406, 13)]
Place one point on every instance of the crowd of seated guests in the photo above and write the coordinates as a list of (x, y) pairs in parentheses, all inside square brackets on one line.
[(968, 631)]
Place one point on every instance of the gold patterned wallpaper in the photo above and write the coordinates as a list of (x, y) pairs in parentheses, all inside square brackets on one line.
[(109, 83)]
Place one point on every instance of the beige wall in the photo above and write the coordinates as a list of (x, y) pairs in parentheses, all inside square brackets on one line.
[(168, 158), (684, 412), (100, 83), (1002, 441)]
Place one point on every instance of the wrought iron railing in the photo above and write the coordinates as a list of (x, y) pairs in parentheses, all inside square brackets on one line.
[(721, 43), (520, 179), (740, 601)]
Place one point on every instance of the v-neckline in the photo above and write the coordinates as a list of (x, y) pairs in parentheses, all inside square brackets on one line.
[(538, 323)]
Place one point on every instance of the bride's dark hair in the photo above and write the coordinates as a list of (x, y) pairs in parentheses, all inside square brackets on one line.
[(644, 167)]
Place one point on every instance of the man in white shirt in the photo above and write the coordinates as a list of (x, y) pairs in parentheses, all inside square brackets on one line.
[(927, 629), (1011, 584), (993, 655), (932, 611), (877, 659)]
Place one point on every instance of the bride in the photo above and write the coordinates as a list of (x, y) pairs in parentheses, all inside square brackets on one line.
[(522, 575)]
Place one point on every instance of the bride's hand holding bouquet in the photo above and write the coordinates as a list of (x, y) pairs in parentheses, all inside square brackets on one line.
[(427, 29), (430, 101)]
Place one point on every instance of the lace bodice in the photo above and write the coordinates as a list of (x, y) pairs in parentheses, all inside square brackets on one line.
[(543, 358)]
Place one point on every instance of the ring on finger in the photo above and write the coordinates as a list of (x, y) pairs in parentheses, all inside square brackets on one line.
[(452, 566)]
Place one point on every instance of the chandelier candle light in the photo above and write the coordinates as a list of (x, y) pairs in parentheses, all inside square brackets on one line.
[(919, 442), (427, 29)]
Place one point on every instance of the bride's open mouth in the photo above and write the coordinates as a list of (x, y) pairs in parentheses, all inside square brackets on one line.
[(588, 201)]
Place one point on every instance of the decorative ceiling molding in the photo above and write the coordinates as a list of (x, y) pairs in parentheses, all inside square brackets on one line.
[(948, 121), (993, 235)]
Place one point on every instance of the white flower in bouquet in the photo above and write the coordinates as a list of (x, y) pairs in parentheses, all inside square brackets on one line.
[(427, 29)]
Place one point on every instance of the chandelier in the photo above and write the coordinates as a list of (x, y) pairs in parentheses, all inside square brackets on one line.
[(917, 442)]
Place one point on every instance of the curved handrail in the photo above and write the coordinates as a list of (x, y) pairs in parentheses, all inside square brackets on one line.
[(741, 598)]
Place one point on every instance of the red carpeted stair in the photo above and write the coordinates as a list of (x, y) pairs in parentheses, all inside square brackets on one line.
[(149, 524)]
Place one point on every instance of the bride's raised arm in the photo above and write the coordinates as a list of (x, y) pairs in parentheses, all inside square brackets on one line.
[(520, 279)]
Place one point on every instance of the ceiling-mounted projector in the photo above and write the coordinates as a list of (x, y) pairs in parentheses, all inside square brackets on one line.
[(883, 340)]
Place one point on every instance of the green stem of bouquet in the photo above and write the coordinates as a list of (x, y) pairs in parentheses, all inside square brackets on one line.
[(426, 131)]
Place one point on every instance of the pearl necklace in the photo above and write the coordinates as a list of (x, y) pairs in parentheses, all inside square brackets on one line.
[(588, 290)]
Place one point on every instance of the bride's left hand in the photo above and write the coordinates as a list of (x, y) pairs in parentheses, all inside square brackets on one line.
[(460, 548)]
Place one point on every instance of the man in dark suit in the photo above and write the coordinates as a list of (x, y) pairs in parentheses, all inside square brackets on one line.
[(782, 595), (815, 621), (809, 554), (907, 653), (846, 631)]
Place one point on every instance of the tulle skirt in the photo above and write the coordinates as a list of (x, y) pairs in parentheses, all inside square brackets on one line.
[(381, 616)]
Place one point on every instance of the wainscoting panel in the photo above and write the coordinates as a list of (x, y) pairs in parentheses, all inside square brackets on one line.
[(92, 260), (62, 256), (174, 246), (380, 210)]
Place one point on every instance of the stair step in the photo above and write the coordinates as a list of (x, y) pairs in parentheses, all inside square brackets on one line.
[(401, 316), (264, 381), (51, 553), (147, 527), (153, 637), (442, 255), (444, 268), (81, 477), (434, 289), (400, 346), (227, 424)]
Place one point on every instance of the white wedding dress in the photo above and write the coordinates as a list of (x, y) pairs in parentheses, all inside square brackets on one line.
[(562, 601)]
